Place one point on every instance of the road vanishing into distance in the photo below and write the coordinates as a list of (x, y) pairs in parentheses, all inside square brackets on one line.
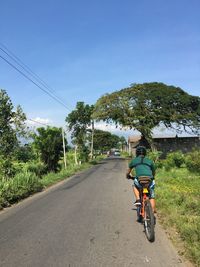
[(87, 220)]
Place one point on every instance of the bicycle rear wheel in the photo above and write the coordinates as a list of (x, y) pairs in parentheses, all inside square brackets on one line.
[(149, 221)]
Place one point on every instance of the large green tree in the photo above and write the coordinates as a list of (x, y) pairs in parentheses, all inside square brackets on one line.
[(78, 122), (12, 126), (104, 140), (145, 106), (48, 142)]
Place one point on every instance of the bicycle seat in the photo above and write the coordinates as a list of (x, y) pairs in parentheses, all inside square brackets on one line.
[(143, 180)]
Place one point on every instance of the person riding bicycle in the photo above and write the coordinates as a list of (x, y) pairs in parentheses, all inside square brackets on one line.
[(143, 167)]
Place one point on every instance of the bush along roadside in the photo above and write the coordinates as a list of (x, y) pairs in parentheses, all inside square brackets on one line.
[(178, 203), (26, 183), (20, 186)]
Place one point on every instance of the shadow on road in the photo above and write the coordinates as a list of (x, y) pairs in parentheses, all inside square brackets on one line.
[(80, 177)]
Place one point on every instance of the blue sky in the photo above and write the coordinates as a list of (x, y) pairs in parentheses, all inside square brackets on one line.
[(84, 49)]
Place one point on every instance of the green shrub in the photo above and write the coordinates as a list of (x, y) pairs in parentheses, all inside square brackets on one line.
[(192, 161), (7, 169), (154, 155), (168, 163), (174, 159), (70, 156), (83, 154), (178, 158), (22, 185), (18, 166), (24, 153), (159, 164), (36, 167)]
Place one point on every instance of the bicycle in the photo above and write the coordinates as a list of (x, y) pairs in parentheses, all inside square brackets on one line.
[(145, 213)]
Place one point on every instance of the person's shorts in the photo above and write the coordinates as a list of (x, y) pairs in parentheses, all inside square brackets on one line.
[(152, 187)]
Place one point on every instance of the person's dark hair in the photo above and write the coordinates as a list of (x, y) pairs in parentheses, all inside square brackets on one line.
[(141, 150)]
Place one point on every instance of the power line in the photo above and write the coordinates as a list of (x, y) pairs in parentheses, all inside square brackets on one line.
[(38, 122), (28, 78), (45, 124), (30, 72)]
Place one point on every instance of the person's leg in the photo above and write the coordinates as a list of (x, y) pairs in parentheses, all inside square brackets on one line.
[(153, 204), (136, 193), (152, 196)]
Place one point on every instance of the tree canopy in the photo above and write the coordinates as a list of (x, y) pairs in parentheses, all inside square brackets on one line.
[(104, 140), (78, 122), (48, 142), (145, 106), (12, 125)]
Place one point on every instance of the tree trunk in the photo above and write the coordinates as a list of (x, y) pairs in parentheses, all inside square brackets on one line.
[(92, 141), (75, 155), (146, 141)]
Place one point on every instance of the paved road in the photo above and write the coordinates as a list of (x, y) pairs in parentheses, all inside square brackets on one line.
[(86, 221)]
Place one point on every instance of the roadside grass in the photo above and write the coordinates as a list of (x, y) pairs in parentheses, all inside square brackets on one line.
[(178, 203), (52, 178), (21, 186), (26, 183)]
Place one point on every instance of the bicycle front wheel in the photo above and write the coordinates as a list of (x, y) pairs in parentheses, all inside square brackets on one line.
[(149, 221)]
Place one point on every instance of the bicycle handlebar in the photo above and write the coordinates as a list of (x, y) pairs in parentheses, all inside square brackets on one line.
[(130, 177)]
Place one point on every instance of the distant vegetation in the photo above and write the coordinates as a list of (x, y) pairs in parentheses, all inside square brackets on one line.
[(28, 168), (85, 137), (28, 180)]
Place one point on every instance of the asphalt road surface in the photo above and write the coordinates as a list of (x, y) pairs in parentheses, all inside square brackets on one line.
[(86, 221)]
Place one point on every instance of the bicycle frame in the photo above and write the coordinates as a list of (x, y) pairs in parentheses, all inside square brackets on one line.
[(143, 197), (145, 212)]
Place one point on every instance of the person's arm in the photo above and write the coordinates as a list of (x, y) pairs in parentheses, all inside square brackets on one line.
[(153, 169), (128, 173), (130, 168)]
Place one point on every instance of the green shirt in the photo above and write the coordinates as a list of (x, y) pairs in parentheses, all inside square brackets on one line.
[(143, 166)]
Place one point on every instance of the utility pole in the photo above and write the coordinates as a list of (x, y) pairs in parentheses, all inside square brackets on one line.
[(75, 154), (63, 137), (92, 141)]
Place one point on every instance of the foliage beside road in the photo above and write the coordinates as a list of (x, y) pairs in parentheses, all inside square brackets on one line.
[(25, 183), (178, 204), (20, 186), (31, 160)]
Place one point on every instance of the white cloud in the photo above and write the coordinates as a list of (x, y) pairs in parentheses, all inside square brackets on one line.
[(39, 122), (105, 127), (115, 130)]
